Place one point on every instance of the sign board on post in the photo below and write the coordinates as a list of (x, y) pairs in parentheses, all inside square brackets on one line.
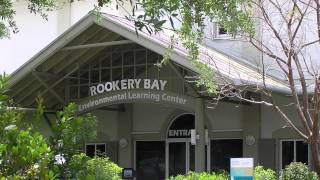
[(241, 168)]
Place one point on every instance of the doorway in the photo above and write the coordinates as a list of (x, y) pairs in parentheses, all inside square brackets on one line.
[(180, 154), (179, 157)]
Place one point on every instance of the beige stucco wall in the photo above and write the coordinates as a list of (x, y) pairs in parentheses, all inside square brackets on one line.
[(225, 116), (107, 123), (272, 122)]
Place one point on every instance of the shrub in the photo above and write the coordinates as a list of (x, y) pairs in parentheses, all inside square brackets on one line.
[(297, 171), (201, 176), (100, 168), (263, 174)]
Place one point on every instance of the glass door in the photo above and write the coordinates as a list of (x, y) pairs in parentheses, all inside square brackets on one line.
[(179, 157)]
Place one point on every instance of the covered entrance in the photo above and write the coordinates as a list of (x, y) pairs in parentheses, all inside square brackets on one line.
[(160, 159), (180, 154)]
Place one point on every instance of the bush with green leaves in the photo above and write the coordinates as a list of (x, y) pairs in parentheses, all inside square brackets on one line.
[(86, 168), (24, 152), (201, 176), (70, 132), (264, 174), (297, 171)]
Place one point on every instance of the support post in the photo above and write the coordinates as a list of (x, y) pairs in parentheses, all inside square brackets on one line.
[(200, 130), (124, 134), (251, 128)]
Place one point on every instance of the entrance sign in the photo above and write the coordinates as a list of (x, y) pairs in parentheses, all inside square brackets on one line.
[(181, 127), (241, 168), (125, 84)]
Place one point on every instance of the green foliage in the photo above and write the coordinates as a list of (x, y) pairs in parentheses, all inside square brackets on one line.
[(187, 18), (264, 174), (7, 22), (96, 168), (297, 171), (24, 153), (200, 176), (70, 131)]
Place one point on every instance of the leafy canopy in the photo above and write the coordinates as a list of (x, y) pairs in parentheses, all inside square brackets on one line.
[(7, 12), (188, 19)]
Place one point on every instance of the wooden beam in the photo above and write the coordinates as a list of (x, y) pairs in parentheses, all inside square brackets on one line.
[(54, 61), (182, 77), (48, 88), (103, 44), (72, 58), (61, 79)]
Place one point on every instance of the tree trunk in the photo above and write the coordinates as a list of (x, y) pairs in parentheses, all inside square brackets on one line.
[(315, 154)]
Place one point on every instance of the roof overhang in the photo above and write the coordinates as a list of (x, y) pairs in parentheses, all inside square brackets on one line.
[(225, 66)]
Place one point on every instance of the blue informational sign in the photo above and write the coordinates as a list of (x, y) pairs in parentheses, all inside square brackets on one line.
[(241, 168)]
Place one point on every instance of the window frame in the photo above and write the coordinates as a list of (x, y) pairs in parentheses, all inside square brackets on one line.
[(294, 151), (95, 147), (221, 36)]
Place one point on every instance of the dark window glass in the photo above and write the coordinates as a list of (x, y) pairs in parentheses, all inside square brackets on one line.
[(177, 158), (74, 92), (95, 77), (128, 72), (302, 152), (150, 160), (116, 59), (181, 126), (141, 57), (128, 58), (222, 151), (106, 61), (222, 31), (101, 150), (105, 75), (90, 150), (84, 91), (192, 157), (117, 73), (287, 153)]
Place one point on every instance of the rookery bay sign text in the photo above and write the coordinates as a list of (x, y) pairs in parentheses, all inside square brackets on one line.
[(124, 84)]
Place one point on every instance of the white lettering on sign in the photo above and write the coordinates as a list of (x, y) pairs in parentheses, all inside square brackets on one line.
[(155, 96), (179, 133), (124, 84)]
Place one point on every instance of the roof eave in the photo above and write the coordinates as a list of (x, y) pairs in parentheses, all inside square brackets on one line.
[(51, 48)]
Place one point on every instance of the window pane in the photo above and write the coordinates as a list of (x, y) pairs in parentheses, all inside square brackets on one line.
[(150, 159), (90, 149), (302, 152), (222, 151), (177, 158), (101, 150), (287, 153)]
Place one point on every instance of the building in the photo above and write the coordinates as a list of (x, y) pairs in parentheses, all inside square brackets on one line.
[(145, 114)]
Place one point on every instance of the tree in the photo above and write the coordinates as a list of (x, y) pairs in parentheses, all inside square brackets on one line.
[(26, 154), (8, 24), (290, 48), (290, 43)]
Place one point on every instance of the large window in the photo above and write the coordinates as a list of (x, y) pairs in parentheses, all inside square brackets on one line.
[(221, 152), (293, 151), (150, 160), (95, 149)]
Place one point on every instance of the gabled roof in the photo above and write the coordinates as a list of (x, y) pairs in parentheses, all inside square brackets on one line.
[(52, 54)]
